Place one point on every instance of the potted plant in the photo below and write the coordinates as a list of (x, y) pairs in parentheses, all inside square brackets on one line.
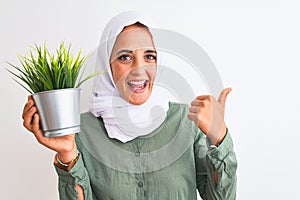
[(53, 81)]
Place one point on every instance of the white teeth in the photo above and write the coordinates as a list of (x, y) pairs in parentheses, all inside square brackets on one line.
[(137, 86), (137, 83)]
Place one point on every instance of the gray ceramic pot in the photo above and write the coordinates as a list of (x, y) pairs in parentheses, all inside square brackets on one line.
[(59, 111)]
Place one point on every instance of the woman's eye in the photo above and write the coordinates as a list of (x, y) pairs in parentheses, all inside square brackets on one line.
[(125, 58), (151, 57)]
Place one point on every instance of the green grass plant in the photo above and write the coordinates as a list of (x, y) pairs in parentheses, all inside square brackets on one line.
[(41, 71)]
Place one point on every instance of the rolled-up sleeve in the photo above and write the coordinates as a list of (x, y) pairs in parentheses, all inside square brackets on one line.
[(222, 160), (68, 180)]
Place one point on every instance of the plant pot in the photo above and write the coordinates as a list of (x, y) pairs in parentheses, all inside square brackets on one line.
[(59, 111)]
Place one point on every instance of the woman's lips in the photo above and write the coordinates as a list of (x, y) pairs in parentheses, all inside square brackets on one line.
[(138, 86)]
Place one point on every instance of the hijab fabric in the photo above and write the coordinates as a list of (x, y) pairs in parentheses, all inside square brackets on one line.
[(123, 120)]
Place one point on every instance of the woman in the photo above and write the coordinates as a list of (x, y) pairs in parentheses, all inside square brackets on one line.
[(135, 144)]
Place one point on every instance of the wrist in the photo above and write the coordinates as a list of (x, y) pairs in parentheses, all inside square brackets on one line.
[(217, 139), (67, 157), (66, 166), (220, 139)]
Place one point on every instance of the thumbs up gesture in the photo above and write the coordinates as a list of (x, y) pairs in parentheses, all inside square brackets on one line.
[(208, 114)]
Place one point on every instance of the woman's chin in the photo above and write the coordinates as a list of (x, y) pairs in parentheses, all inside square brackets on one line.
[(138, 99)]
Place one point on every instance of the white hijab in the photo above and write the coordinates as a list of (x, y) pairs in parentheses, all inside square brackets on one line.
[(122, 120)]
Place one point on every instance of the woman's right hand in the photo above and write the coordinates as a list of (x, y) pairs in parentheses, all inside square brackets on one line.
[(65, 146)]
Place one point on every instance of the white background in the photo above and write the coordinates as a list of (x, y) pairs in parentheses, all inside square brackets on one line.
[(254, 44)]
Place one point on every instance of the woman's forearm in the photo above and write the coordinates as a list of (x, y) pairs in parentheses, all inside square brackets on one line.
[(80, 192)]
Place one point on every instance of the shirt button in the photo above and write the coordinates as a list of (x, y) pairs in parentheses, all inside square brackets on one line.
[(140, 184)]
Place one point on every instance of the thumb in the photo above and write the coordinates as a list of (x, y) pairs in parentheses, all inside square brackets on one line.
[(223, 96)]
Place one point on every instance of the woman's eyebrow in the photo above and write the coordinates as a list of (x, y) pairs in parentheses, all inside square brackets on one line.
[(130, 51), (124, 51), (150, 51)]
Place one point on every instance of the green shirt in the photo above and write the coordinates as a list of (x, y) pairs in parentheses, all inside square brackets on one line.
[(170, 163)]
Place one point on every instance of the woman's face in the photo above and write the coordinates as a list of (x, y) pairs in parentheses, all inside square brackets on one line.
[(133, 64)]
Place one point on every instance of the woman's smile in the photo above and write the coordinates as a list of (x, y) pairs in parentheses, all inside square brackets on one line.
[(138, 86)]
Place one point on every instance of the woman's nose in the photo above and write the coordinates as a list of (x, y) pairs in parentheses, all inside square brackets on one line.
[(138, 69), (138, 66), (138, 61)]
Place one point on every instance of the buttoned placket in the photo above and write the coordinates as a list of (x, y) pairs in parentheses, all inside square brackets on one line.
[(140, 181)]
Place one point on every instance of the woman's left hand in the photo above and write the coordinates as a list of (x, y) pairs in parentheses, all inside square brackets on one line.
[(208, 115)]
